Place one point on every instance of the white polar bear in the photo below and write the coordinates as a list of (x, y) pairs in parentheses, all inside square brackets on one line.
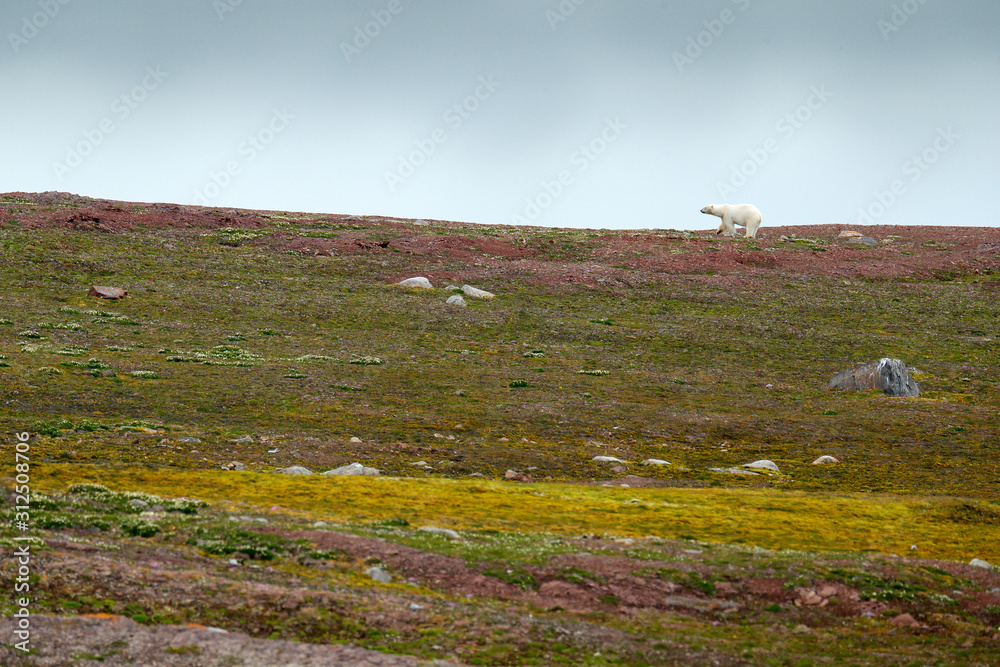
[(744, 215)]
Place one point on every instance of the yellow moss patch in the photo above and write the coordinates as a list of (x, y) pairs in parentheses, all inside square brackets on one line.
[(766, 518)]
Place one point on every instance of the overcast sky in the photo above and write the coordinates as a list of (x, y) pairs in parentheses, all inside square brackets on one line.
[(571, 113)]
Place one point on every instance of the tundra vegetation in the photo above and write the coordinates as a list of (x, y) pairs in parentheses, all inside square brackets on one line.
[(281, 339)]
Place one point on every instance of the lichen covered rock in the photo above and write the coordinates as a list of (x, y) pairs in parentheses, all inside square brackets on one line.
[(888, 375)]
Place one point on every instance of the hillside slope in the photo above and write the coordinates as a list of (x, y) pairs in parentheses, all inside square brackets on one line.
[(276, 339)]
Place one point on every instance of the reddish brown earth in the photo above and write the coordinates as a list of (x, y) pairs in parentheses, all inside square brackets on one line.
[(627, 257)]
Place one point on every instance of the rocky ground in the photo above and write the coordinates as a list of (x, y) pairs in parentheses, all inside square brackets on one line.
[(240, 341)]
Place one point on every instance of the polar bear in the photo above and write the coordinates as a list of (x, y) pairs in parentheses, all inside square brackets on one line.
[(744, 215)]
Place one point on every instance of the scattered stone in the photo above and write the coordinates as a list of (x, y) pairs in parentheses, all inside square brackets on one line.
[(889, 375), (452, 287), (904, 620), (734, 471), (234, 465), (419, 464), (352, 469), (607, 459), (193, 441), (320, 524), (515, 476), (440, 531), (416, 607), (826, 458), (456, 300), (246, 439), (355, 440), (273, 451), (847, 234), (699, 604), (379, 575), (233, 561), (979, 562), (107, 292), (862, 240), (477, 293), (137, 502), (655, 462), (763, 464), (294, 470), (419, 281)]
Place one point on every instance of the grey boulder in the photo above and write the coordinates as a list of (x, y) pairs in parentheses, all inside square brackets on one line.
[(889, 375), (352, 469)]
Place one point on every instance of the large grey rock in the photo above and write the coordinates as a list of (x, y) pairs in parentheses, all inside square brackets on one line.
[(352, 469), (456, 300), (379, 575), (888, 375)]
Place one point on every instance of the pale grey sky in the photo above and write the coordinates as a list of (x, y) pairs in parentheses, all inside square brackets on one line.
[(575, 113)]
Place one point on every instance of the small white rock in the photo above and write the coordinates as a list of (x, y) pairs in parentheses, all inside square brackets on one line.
[(476, 292), (607, 459), (379, 575), (447, 532), (763, 464), (294, 470), (655, 462), (456, 300), (352, 470), (826, 459), (355, 440), (979, 562), (419, 281)]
